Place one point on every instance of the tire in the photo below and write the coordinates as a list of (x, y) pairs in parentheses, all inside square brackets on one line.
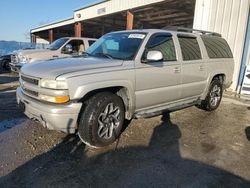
[(6, 66), (213, 98), (1, 66), (102, 119)]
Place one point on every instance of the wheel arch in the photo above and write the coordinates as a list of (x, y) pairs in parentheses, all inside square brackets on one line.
[(124, 91), (218, 75)]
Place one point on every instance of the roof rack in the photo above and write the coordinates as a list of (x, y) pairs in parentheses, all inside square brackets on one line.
[(184, 29)]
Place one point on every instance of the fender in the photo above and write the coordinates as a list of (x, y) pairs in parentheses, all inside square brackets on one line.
[(81, 91)]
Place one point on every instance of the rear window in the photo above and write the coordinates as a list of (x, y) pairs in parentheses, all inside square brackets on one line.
[(189, 47), (217, 47)]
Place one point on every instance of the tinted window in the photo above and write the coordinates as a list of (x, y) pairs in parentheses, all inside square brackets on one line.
[(217, 47), (165, 44), (91, 42), (190, 48)]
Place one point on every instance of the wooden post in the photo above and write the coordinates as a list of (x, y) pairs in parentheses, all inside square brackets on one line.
[(78, 29), (33, 38), (130, 20), (51, 36)]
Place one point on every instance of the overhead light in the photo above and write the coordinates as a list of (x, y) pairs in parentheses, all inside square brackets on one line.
[(78, 15)]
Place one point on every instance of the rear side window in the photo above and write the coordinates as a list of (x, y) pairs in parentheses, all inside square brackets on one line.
[(189, 47), (165, 44), (217, 47)]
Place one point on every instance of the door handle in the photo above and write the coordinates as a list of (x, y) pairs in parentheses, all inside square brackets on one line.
[(177, 70), (55, 56), (201, 68)]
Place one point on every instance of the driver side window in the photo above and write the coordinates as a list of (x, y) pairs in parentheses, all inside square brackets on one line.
[(163, 43), (77, 46)]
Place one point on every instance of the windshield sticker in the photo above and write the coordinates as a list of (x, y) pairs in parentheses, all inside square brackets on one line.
[(136, 36)]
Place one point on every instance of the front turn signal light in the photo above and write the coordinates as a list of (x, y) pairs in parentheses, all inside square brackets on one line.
[(61, 99), (56, 99)]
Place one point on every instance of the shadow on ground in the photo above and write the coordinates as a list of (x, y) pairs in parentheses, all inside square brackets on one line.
[(158, 165)]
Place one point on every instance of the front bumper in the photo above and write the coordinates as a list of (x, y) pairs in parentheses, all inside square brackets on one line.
[(54, 117), (15, 67)]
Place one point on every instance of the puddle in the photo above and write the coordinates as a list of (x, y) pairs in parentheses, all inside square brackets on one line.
[(10, 123)]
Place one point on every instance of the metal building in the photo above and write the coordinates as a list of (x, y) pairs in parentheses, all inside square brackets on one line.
[(228, 17)]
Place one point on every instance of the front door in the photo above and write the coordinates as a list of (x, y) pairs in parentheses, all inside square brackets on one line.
[(158, 83)]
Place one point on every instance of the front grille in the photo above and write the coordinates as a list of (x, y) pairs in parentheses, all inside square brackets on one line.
[(30, 80), (29, 92)]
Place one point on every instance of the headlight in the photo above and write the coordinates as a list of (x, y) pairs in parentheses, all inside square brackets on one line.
[(53, 84), (23, 58), (57, 99)]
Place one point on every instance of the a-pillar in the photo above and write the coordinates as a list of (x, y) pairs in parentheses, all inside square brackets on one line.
[(78, 29), (130, 20), (51, 38)]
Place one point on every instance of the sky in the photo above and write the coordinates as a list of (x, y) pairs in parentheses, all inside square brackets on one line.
[(17, 17)]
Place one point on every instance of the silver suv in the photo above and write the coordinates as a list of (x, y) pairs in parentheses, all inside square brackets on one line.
[(125, 75)]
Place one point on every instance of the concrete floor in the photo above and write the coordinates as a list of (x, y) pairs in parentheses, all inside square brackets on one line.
[(189, 148)]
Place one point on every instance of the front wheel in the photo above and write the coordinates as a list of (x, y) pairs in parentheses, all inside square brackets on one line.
[(102, 120), (213, 97)]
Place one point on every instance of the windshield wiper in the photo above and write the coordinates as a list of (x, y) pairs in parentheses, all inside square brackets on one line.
[(105, 55)]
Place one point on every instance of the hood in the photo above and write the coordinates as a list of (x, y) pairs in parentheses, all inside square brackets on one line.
[(33, 51), (54, 68)]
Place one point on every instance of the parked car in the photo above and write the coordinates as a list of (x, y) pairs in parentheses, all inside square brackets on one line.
[(63, 47), (4, 62), (125, 75)]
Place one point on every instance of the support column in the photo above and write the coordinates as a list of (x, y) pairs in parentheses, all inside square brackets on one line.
[(130, 20), (78, 29), (33, 38), (51, 36)]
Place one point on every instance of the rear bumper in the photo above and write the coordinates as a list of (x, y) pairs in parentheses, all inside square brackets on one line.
[(54, 117), (228, 84)]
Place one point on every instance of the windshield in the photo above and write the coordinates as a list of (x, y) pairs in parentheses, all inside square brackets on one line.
[(117, 45), (57, 44)]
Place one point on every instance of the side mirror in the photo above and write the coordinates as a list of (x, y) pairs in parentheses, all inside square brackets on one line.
[(68, 49), (154, 55)]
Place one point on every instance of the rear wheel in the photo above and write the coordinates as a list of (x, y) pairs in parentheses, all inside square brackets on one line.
[(213, 97), (102, 120)]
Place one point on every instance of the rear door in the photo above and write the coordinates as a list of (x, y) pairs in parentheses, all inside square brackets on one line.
[(194, 70), (158, 82)]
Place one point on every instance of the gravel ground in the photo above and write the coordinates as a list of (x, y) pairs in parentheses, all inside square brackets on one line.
[(188, 148)]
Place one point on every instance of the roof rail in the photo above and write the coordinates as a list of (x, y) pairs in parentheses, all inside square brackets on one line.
[(184, 29)]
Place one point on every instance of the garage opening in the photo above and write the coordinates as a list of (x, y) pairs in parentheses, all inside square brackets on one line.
[(159, 15)]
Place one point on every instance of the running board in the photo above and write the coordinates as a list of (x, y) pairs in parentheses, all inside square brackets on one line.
[(159, 111)]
